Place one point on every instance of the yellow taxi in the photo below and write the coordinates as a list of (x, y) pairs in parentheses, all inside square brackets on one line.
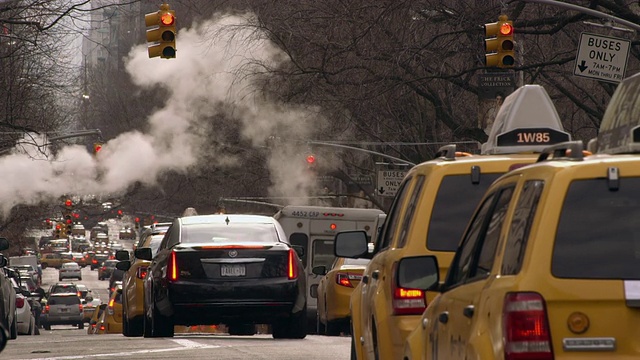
[(548, 265), (334, 293), (53, 260), (133, 283), (113, 314), (428, 216), (96, 318)]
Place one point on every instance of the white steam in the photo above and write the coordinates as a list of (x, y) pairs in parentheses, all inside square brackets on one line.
[(209, 79)]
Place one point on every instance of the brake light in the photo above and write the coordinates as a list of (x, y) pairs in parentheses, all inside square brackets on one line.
[(19, 302), (343, 279), (80, 307), (292, 268), (94, 261), (104, 268), (141, 273), (407, 301), (102, 328), (525, 327), (172, 267), (46, 308)]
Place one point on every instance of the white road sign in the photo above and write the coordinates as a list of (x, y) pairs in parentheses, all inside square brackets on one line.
[(602, 57), (389, 181)]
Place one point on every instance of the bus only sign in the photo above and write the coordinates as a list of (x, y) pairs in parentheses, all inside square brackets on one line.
[(602, 57), (389, 181)]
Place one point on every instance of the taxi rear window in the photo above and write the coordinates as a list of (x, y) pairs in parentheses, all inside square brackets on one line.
[(450, 215), (598, 234)]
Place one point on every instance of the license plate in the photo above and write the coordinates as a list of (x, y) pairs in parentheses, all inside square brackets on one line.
[(64, 310), (233, 270)]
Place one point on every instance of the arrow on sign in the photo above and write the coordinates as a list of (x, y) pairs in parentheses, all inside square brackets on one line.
[(381, 191), (582, 66)]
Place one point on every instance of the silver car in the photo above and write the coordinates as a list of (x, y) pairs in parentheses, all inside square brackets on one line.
[(63, 309), (70, 270)]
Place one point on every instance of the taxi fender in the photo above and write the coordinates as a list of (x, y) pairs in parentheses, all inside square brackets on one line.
[(356, 321)]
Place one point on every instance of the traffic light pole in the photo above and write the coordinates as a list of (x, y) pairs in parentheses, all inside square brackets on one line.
[(587, 11), (322, 143), (78, 134)]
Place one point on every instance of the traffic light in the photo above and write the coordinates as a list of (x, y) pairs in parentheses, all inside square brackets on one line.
[(120, 213), (68, 204), (137, 222), (96, 148), (499, 44), (311, 161), (161, 37), (58, 231)]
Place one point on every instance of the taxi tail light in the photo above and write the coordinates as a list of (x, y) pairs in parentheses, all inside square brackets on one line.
[(406, 301), (19, 302), (172, 267), (102, 328), (292, 265), (525, 327), (141, 273), (110, 307), (343, 280)]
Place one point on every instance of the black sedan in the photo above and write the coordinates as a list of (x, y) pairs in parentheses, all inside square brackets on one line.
[(236, 270)]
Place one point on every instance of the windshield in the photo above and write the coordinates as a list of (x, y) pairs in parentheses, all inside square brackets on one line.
[(154, 244)]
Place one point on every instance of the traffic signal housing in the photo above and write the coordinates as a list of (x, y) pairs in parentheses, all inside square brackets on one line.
[(161, 37), (499, 44), (96, 148)]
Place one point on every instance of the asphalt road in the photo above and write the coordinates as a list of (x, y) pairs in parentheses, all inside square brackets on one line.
[(67, 342)]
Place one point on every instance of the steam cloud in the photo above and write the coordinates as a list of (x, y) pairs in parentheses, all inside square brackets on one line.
[(207, 81)]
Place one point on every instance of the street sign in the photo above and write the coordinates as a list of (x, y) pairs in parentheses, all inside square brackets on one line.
[(389, 181), (496, 83), (602, 57)]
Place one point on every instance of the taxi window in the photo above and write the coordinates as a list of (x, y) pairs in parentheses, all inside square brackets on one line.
[(461, 266), (521, 226), (411, 207), (393, 219), (598, 235), (450, 216)]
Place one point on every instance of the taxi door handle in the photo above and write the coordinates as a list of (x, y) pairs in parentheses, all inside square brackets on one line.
[(468, 311), (444, 317), (365, 279), (375, 274)]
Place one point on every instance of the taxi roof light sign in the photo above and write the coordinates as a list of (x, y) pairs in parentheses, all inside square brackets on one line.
[(620, 127), (526, 122)]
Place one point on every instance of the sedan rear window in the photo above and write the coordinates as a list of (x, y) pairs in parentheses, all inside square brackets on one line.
[(63, 300), (598, 234), (221, 233)]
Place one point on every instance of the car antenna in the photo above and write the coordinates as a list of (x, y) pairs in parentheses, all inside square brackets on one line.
[(227, 220)]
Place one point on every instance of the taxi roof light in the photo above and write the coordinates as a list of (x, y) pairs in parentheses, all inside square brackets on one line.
[(526, 122)]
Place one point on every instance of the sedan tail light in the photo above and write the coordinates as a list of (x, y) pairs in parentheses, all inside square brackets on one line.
[(19, 302), (292, 268), (172, 267)]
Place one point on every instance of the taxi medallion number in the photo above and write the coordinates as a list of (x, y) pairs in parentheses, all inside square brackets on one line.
[(532, 136), (233, 270)]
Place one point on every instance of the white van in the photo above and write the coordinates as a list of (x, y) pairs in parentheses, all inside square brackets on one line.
[(313, 228)]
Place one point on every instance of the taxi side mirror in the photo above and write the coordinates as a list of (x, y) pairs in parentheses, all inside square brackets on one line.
[(122, 255), (418, 272), (319, 270), (351, 244), (123, 265), (144, 254)]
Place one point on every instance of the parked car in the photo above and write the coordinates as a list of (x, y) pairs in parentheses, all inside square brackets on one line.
[(63, 309), (234, 269), (70, 270), (25, 322), (7, 296)]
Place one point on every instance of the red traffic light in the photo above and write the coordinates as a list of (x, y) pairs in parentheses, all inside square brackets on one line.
[(69, 221), (68, 203), (58, 227), (76, 215), (506, 29), (119, 212), (167, 19), (137, 219), (311, 159)]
